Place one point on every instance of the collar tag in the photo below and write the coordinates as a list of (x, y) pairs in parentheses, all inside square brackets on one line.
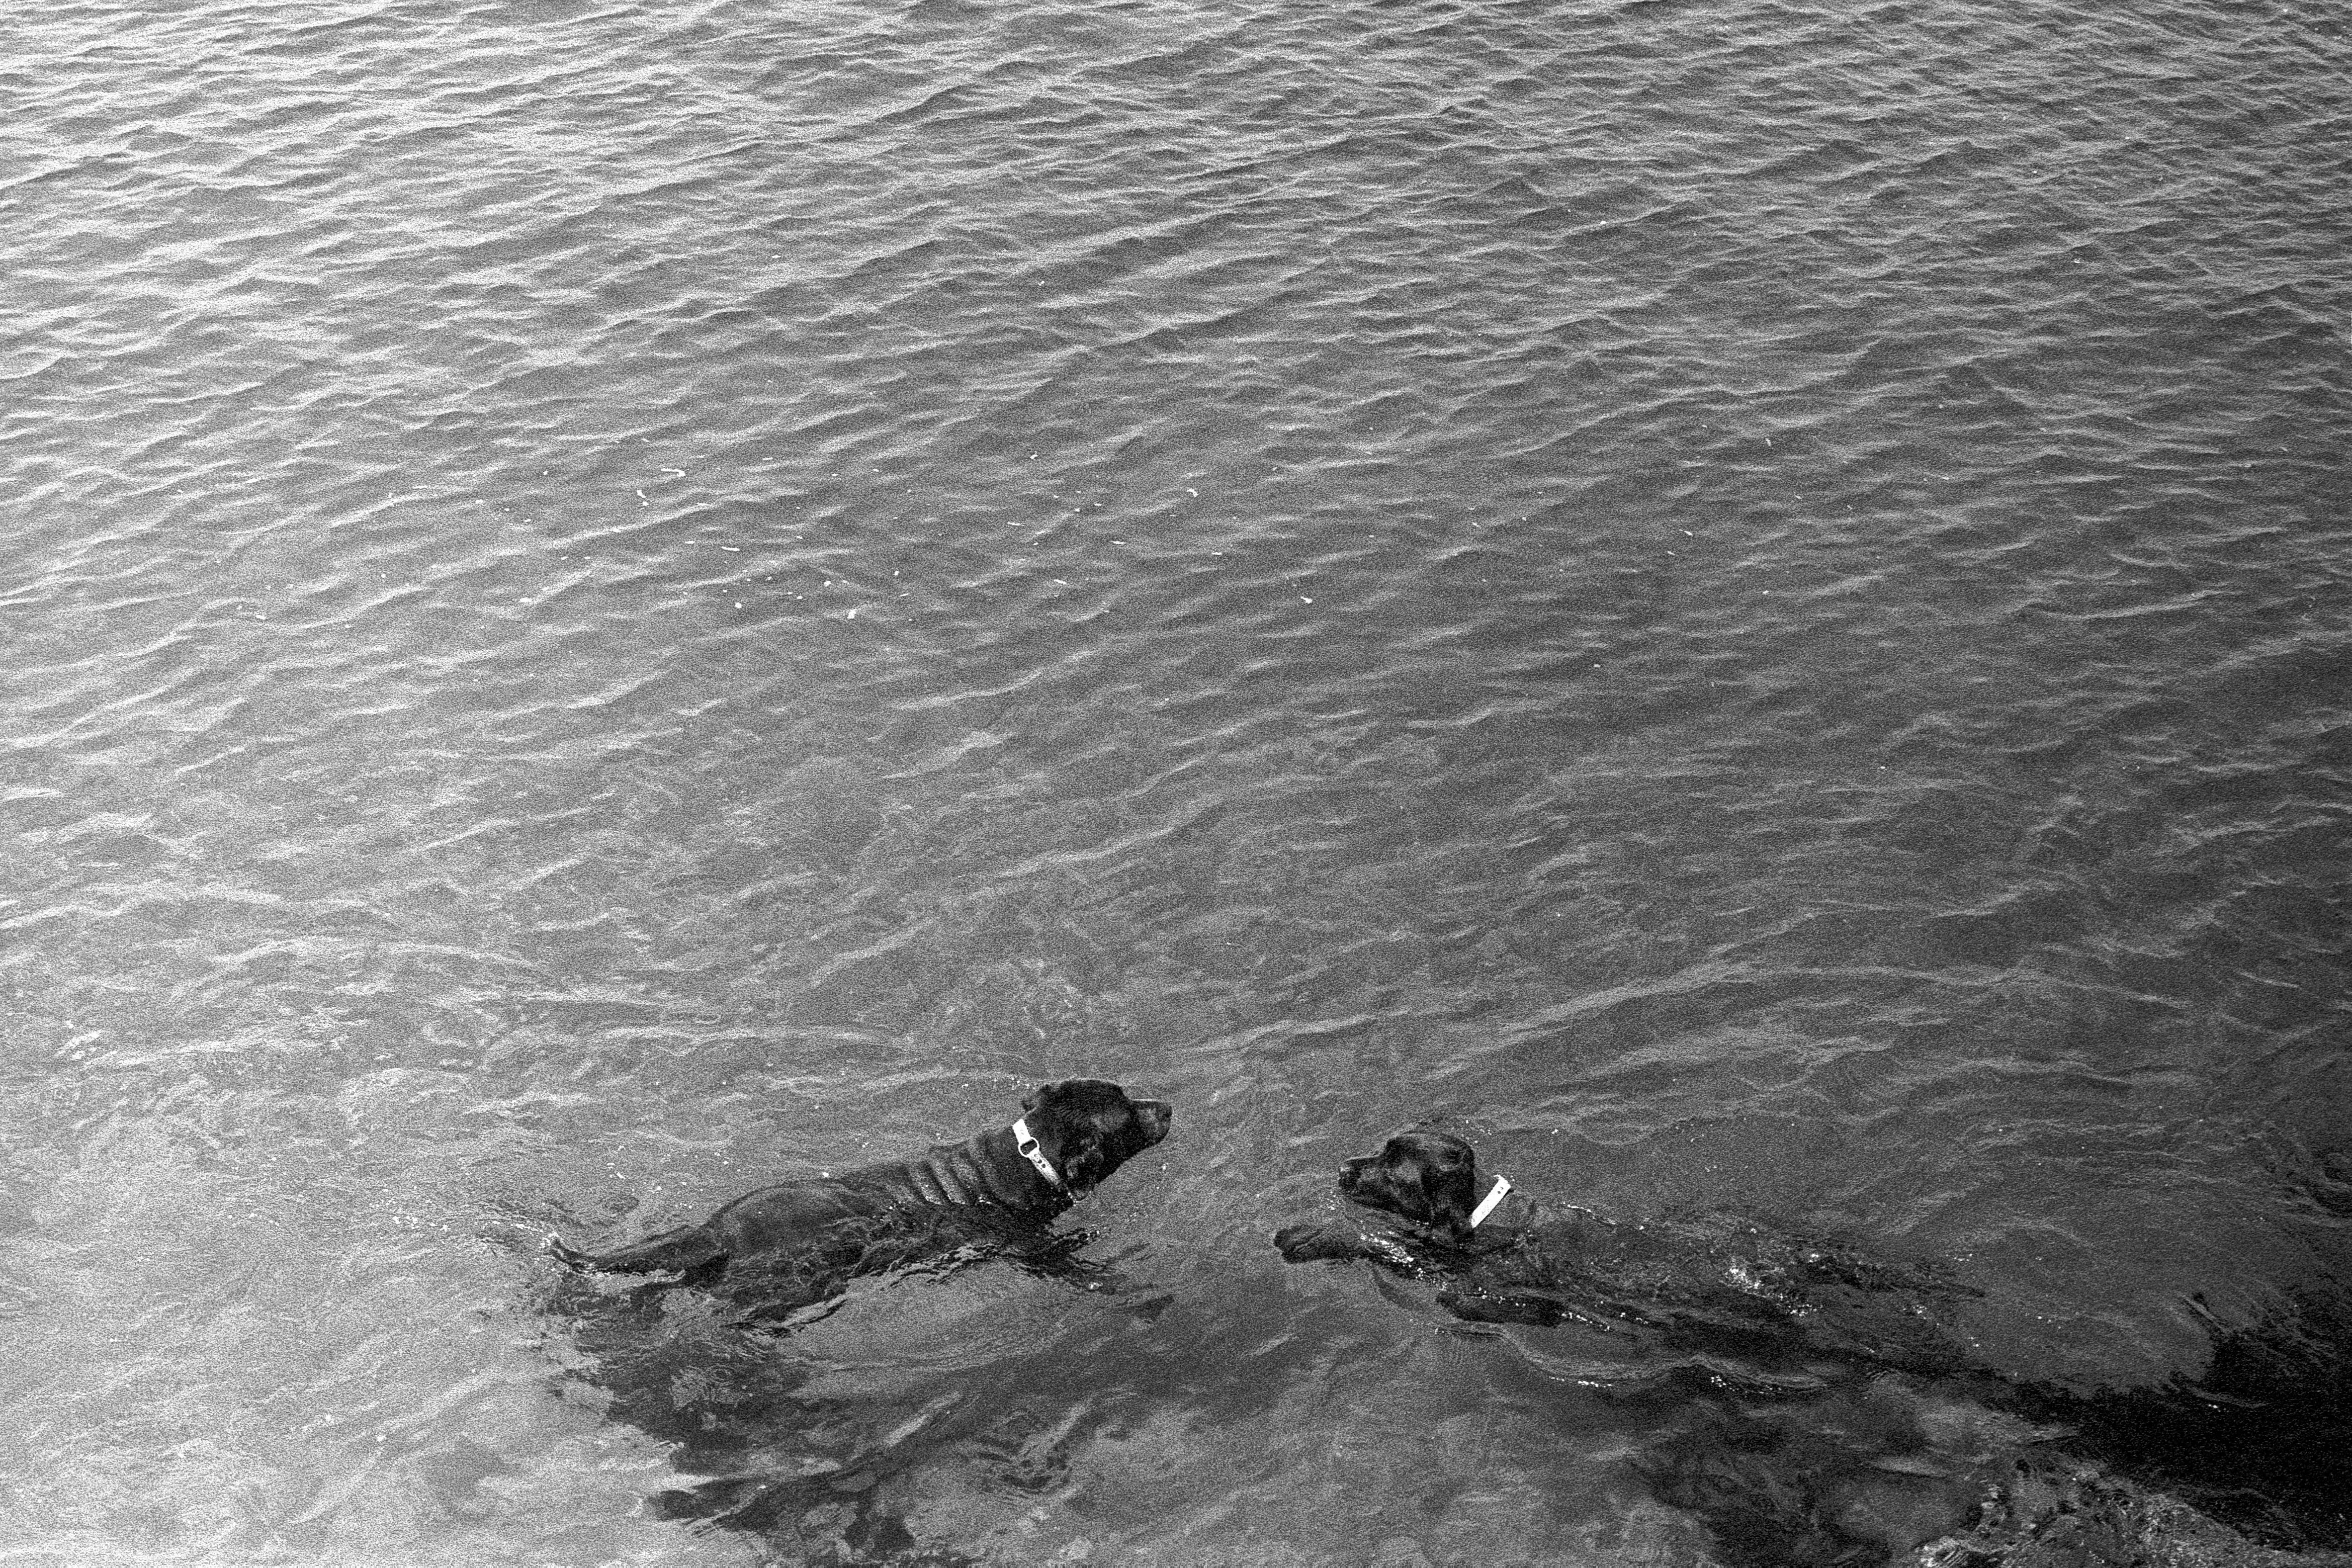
[(1026, 1143), (1495, 1197)]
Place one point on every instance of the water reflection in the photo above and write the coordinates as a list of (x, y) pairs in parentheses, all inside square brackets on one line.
[(933, 1411), (687, 1329), (2261, 1439), (1168, 1399), (922, 1409), (1813, 1407)]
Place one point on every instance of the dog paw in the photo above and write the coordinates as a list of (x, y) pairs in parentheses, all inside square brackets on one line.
[(1481, 1309), (1312, 1243)]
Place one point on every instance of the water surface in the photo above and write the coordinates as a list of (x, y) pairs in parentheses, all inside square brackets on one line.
[(1743, 600)]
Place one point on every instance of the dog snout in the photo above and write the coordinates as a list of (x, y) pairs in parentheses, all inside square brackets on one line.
[(1155, 1115)]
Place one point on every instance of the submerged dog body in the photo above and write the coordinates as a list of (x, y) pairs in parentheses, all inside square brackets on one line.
[(1724, 1287), (796, 1242), (1813, 1409)]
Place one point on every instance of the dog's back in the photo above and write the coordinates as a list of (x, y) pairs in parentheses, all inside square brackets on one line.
[(817, 1231), (1718, 1282)]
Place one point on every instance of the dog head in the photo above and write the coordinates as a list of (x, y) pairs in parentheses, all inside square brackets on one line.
[(1088, 1128), (1430, 1178)]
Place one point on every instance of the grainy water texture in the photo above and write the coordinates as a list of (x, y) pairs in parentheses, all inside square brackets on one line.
[(1742, 602)]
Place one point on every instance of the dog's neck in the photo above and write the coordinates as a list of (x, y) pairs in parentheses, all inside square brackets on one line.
[(1024, 1143), (1482, 1231), (1491, 1202), (1447, 1238), (1021, 1180)]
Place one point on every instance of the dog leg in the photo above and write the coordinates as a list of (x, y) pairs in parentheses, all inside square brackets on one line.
[(677, 1251), (1317, 1242)]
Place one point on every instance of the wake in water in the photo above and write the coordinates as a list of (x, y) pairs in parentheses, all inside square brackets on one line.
[(2250, 1463), (1809, 1405)]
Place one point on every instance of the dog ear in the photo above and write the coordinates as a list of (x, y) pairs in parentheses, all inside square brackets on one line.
[(1449, 1180), (1443, 1191)]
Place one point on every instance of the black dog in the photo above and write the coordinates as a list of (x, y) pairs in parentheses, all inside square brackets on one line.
[(798, 1244), (1735, 1288), (1784, 1433)]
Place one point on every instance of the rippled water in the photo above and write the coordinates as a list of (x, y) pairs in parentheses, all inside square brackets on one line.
[(1744, 601)]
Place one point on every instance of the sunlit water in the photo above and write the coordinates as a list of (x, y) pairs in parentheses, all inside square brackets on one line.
[(1744, 601)]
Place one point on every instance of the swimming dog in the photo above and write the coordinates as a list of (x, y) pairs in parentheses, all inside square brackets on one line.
[(798, 1242), (1731, 1287)]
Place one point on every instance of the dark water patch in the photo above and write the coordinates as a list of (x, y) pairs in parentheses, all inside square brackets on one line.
[(2260, 1436), (1869, 1475), (2243, 1463), (850, 1426)]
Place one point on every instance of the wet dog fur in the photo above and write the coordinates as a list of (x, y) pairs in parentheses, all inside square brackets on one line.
[(1730, 1287), (799, 1242)]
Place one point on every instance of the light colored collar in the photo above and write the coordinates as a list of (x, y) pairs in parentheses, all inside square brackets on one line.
[(1495, 1197), (1027, 1141)]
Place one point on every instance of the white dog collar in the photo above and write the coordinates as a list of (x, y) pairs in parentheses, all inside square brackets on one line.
[(1494, 1196), (1025, 1141)]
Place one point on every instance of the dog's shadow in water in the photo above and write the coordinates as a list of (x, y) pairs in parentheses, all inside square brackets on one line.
[(693, 1331), (2245, 1464), (769, 1435), (874, 1425), (1807, 1406)]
